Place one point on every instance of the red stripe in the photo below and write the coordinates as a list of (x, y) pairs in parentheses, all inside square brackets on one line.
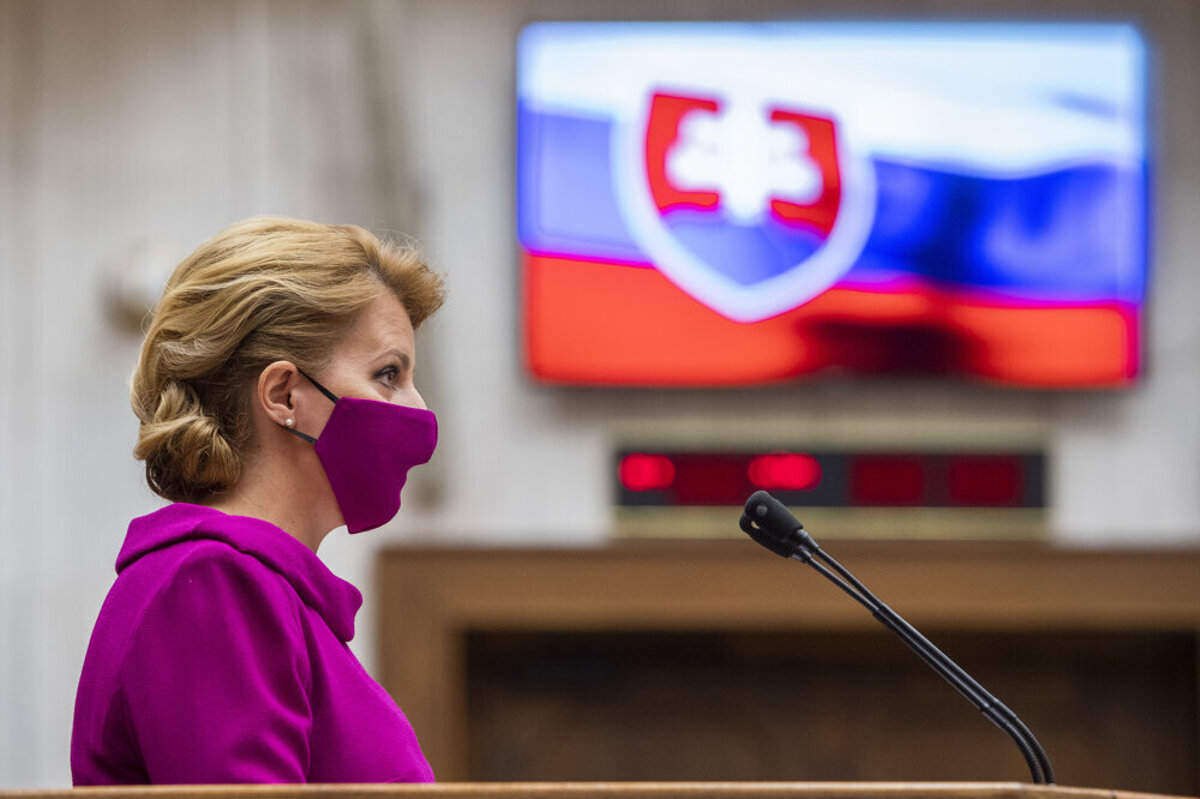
[(597, 323)]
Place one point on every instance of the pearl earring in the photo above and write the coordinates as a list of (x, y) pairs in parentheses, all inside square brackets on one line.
[(289, 422)]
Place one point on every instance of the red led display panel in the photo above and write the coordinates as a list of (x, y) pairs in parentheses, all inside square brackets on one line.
[(831, 479), (986, 480), (891, 480)]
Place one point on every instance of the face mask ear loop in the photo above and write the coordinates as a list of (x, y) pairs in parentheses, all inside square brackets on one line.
[(332, 398), (305, 436)]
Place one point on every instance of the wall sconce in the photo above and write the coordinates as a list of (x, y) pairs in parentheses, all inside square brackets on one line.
[(132, 280)]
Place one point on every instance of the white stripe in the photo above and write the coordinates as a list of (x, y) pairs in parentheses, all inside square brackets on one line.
[(1001, 99)]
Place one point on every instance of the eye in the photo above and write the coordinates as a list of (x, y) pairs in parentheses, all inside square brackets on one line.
[(388, 375)]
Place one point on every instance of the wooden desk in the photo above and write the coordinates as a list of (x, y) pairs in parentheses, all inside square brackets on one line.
[(1096, 650), (592, 791)]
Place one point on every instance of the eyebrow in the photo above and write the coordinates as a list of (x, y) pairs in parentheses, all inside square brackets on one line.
[(404, 358)]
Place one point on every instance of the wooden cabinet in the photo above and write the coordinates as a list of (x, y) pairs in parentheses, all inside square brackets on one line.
[(719, 661)]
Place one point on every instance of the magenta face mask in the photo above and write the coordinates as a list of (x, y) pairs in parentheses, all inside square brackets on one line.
[(366, 449)]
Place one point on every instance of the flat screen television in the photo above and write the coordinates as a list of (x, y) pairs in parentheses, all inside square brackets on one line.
[(717, 204)]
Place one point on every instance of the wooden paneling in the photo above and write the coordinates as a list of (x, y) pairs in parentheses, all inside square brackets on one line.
[(734, 664), (823, 706), (576, 790)]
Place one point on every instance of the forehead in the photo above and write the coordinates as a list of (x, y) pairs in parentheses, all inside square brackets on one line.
[(381, 324)]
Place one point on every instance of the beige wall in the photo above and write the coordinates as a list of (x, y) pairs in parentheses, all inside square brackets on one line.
[(121, 121)]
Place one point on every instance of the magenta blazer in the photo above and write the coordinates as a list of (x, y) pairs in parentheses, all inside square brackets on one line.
[(220, 657)]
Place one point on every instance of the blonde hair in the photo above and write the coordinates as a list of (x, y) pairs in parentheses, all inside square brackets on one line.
[(262, 290)]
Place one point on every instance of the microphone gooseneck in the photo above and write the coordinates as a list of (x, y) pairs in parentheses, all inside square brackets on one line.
[(767, 521)]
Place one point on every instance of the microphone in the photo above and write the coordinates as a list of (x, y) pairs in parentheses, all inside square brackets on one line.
[(766, 520)]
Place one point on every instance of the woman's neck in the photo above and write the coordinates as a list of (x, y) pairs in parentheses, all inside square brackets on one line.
[(285, 503)]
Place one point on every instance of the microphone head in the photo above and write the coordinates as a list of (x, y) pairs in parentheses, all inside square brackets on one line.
[(771, 524), (780, 548), (771, 514)]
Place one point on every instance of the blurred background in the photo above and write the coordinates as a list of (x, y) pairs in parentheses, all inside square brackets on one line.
[(132, 130)]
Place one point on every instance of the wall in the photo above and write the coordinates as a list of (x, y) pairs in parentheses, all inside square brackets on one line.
[(140, 119)]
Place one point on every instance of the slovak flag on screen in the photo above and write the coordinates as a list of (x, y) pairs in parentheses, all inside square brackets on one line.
[(724, 204)]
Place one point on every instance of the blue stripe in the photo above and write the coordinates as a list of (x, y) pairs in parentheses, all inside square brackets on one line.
[(1075, 235)]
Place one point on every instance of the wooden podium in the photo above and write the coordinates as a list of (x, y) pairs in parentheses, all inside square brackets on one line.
[(597, 790), (718, 662)]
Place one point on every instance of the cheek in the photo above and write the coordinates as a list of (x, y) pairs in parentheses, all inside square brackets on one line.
[(320, 417)]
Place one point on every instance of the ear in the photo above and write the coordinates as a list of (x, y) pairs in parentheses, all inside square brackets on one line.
[(273, 393)]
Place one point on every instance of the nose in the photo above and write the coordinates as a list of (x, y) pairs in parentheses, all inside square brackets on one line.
[(413, 399)]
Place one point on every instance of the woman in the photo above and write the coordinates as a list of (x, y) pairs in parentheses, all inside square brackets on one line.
[(276, 402)]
